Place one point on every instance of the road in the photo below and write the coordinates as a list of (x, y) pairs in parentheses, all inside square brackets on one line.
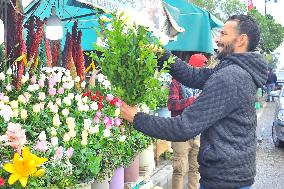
[(270, 160)]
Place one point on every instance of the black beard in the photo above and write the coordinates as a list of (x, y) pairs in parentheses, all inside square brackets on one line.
[(227, 50)]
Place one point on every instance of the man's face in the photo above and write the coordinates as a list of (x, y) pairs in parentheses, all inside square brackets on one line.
[(226, 42)]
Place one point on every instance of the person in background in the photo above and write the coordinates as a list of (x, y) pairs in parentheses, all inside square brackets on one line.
[(224, 113), (180, 97), (270, 83)]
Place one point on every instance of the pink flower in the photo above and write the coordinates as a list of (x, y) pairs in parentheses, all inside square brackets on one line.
[(118, 103), (117, 121), (41, 83), (106, 120), (41, 146), (52, 91), (96, 120), (8, 87), (111, 122), (16, 137), (33, 79), (65, 85), (69, 152), (108, 125), (2, 96), (109, 97), (122, 129), (59, 153), (60, 90), (2, 181), (99, 113)]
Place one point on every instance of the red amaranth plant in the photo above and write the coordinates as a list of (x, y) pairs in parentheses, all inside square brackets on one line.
[(55, 53), (69, 57), (48, 53), (80, 60)]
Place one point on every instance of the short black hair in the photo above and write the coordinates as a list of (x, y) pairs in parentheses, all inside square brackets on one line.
[(247, 25)]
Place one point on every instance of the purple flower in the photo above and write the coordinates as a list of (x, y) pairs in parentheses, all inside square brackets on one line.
[(96, 120), (69, 152), (1, 96), (59, 153), (41, 146), (41, 83), (60, 90), (118, 103), (109, 97), (106, 120), (99, 113), (117, 122), (33, 79), (52, 91)]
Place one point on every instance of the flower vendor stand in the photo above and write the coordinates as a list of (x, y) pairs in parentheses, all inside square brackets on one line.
[(117, 180)]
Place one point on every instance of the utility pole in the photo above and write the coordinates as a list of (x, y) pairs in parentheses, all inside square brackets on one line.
[(275, 1)]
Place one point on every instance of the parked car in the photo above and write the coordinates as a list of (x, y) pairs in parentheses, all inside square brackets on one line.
[(278, 122)]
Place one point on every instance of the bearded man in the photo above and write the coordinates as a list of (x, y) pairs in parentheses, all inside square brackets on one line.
[(224, 113)]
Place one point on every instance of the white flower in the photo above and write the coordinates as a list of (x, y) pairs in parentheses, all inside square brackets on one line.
[(36, 87), (77, 79), (69, 78), (70, 85), (56, 120), (72, 133), (83, 84), (58, 101), (67, 101), (122, 138), (71, 96), (53, 131), (42, 136), (101, 78), (94, 106), (25, 78), (65, 112), (84, 142), (81, 108), (70, 121), (36, 108), (78, 97), (31, 88), (42, 76), (86, 107), (145, 108), (15, 113), (106, 133), (66, 137), (41, 96), (64, 79), (2, 76), (54, 108), (84, 134), (67, 72), (87, 123), (106, 84), (94, 129), (117, 112), (14, 104), (101, 42), (9, 71), (3, 138), (24, 114), (6, 112), (85, 99), (6, 99), (54, 141)]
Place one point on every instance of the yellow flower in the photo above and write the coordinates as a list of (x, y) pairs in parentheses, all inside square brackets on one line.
[(24, 166)]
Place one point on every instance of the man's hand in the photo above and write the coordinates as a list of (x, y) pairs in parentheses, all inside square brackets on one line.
[(128, 112)]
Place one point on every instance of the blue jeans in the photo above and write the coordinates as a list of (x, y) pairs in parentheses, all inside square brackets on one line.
[(247, 187)]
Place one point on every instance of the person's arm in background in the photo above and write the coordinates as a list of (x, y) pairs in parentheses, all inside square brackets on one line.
[(174, 101), (186, 75)]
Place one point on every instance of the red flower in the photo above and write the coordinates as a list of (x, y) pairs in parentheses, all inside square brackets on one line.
[(88, 94), (93, 98), (101, 98), (100, 106), (2, 181), (98, 93)]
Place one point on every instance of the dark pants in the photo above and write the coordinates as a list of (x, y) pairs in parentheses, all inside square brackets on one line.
[(247, 187)]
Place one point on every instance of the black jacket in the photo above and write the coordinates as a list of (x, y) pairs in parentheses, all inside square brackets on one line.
[(272, 78), (224, 114)]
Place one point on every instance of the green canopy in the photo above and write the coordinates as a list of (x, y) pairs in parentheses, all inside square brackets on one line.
[(198, 24)]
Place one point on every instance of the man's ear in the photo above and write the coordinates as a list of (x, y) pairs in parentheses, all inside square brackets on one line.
[(242, 40)]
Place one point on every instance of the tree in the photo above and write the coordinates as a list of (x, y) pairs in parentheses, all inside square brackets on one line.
[(209, 5), (272, 33)]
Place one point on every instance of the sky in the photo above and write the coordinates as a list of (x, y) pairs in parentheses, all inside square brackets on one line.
[(276, 10)]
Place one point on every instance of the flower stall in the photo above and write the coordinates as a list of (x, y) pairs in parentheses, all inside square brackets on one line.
[(61, 130)]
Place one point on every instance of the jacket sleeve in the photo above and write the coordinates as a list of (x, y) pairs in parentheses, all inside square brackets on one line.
[(187, 75), (174, 101), (217, 100)]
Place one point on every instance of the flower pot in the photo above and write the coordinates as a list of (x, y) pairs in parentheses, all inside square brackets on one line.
[(146, 161), (117, 180), (84, 185), (131, 173), (100, 185)]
